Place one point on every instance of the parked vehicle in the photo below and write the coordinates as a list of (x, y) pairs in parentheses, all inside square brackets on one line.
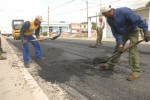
[(16, 26)]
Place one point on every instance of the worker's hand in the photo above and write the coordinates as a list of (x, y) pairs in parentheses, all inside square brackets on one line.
[(40, 38), (24, 41), (120, 48), (147, 37)]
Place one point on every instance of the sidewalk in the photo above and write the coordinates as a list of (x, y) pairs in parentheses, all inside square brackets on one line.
[(15, 81)]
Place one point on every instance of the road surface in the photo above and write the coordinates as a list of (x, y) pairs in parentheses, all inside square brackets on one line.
[(68, 63)]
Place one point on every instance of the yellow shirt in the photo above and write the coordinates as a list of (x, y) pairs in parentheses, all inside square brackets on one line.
[(31, 29)]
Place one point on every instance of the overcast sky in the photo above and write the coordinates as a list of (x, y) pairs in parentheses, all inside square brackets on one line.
[(60, 10)]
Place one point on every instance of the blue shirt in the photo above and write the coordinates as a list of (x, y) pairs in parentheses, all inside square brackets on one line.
[(124, 22)]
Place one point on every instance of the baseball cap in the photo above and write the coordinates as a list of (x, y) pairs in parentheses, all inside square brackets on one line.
[(105, 9), (39, 18)]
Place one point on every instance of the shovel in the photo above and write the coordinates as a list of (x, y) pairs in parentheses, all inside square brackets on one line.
[(99, 60), (51, 38)]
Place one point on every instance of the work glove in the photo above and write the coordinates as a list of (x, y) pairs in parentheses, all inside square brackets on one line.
[(147, 37), (120, 49)]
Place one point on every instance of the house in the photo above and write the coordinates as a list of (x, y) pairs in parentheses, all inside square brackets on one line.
[(55, 27), (74, 27), (145, 14)]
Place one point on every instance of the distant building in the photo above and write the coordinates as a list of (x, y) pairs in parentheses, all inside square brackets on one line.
[(84, 27), (74, 27), (64, 27), (55, 27), (145, 14)]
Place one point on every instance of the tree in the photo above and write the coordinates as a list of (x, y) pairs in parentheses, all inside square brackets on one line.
[(93, 26), (148, 4)]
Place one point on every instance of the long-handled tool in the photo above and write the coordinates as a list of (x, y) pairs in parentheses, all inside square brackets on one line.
[(51, 38), (99, 60)]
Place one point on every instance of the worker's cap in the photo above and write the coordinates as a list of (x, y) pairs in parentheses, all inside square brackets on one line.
[(39, 18), (104, 9)]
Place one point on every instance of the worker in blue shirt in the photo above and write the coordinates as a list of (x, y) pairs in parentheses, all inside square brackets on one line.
[(28, 28), (125, 25)]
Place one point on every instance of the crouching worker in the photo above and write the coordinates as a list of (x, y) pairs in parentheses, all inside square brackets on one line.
[(28, 28), (125, 25)]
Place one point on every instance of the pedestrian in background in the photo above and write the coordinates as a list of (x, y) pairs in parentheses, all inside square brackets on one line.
[(28, 28), (99, 30), (125, 25)]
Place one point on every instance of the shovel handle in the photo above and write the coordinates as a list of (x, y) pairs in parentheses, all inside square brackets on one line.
[(128, 47), (132, 45)]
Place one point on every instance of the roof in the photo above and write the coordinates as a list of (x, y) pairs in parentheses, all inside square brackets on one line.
[(143, 8)]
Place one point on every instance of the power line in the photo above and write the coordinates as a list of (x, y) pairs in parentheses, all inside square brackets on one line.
[(73, 11), (85, 8), (63, 4)]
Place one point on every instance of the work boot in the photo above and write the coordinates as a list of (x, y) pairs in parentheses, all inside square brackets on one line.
[(2, 58), (27, 65), (2, 51), (133, 76), (106, 66)]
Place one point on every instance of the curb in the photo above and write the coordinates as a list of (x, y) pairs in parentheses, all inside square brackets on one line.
[(37, 92)]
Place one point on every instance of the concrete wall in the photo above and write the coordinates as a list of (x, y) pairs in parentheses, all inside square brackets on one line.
[(145, 14)]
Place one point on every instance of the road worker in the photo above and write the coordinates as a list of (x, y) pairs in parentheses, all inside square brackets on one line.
[(28, 28), (99, 30), (2, 51), (125, 25)]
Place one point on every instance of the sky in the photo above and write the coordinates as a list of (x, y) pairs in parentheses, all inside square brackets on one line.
[(59, 10)]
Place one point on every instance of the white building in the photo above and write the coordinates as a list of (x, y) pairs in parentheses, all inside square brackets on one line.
[(55, 27), (145, 14)]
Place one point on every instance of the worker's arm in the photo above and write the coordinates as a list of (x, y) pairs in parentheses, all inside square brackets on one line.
[(24, 27), (37, 31), (115, 33), (133, 18)]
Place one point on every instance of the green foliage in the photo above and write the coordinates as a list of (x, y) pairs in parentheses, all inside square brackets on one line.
[(148, 4), (93, 26), (44, 33)]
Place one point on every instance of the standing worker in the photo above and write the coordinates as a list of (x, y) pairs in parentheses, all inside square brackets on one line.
[(99, 30), (1, 51), (26, 35), (125, 25)]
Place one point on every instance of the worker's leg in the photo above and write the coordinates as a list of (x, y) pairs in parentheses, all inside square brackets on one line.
[(1, 50), (97, 39), (133, 52), (2, 57), (36, 46), (26, 51), (100, 37), (114, 60)]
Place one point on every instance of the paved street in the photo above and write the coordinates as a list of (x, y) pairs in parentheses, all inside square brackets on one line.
[(68, 65)]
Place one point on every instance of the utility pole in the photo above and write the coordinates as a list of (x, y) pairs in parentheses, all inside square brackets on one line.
[(96, 20), (100, 3), (87, 16), (87, 10), (48, 23)]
